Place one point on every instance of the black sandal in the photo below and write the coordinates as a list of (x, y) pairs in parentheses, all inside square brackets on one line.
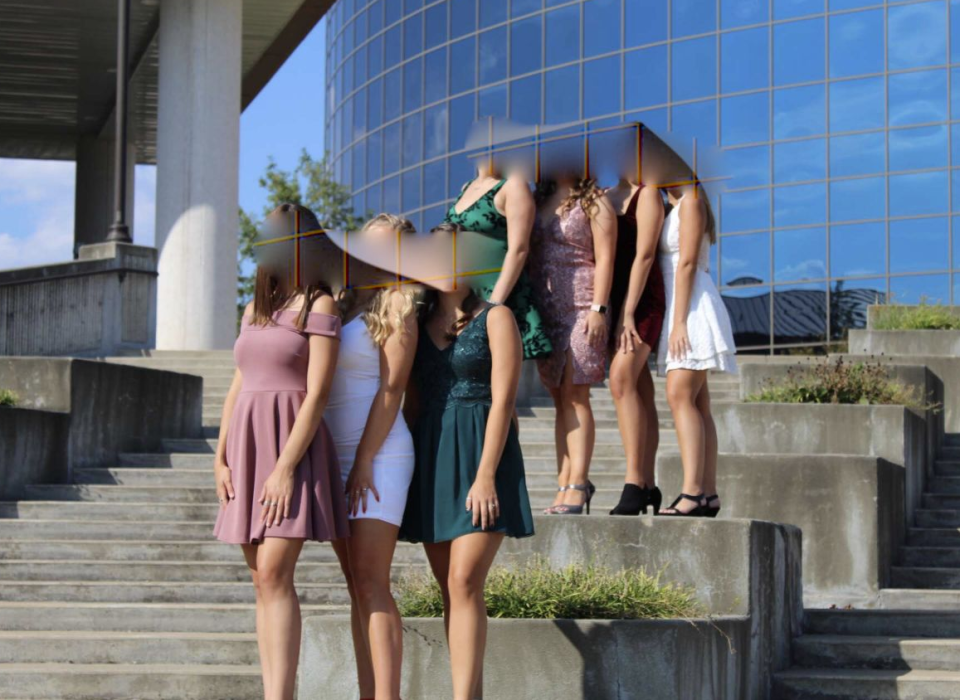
[(711, 511), (695, 513)]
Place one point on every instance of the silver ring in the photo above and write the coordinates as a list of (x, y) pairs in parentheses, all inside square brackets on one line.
[(364, 490)]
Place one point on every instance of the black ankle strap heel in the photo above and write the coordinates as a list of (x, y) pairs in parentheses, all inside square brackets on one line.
[(695, 513)]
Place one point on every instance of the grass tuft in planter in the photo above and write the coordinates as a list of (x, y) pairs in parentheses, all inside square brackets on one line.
[(8, 397), (537, 591), (923, 317)]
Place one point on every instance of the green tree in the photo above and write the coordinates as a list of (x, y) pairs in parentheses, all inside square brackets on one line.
[(311, 184)]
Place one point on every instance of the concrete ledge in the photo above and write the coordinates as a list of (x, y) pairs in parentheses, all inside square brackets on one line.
[(876, 312), (33, 447), (850, 510)]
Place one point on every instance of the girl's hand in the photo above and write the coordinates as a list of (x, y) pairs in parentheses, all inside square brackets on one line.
[(596, 329), (679, 343), (359, 484), (222, 478), (275, 497), (629, 340), (483, 503)]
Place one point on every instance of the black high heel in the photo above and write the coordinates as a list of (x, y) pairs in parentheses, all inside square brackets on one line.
[(711, 511), (589, 489), (635, 500), (695, 513)]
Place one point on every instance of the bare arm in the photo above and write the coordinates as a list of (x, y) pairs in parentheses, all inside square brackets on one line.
[(603, 224), (520, 212), (396, 361), (320, 369), (649, 225), (221, 470), (505, 349), (692, 222)]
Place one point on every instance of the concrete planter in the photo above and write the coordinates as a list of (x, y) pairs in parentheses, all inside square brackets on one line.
[(33, 447)]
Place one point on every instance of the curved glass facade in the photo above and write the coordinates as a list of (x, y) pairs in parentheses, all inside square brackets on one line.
[(836, 122)]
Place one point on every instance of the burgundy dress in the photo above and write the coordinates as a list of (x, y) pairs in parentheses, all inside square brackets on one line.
[(273, 361), (651, 308), (563, 267)]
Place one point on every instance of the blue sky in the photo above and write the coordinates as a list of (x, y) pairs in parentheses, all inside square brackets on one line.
[(37, 197)]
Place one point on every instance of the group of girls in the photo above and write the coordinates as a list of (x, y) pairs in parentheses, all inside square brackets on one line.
[(364, 416)]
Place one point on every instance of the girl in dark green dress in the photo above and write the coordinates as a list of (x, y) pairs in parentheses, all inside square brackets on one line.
[(468, 488), (505, 211)]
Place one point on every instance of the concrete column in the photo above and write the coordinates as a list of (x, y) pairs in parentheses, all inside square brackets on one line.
[(93, 204), (198, 142)]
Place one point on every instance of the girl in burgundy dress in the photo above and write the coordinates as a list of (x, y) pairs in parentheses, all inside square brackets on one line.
[(276, 470)]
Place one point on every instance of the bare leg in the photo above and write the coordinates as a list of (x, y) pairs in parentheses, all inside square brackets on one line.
[(560, 438), (648, 401), (276, 564), (683, 385), (439, 557), (372, 543), (626, 370), (710, 448), (361, 645), (580, 432), (250, 554)]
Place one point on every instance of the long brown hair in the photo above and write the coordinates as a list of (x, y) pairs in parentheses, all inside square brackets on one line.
[(585, 191), (272, 293), (429, 299)]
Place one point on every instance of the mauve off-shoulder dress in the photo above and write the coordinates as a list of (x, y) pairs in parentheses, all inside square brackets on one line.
[(273, 361)]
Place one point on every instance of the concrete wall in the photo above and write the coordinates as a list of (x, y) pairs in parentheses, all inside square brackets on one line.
[(102, 304), (33, 448), (110, 408), (850, 510)]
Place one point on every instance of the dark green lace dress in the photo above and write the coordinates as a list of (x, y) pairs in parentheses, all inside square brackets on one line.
[(482, 216), (453, 385)]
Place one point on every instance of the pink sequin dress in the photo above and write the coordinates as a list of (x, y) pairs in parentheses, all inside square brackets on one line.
[(273, 361), (563, 267)]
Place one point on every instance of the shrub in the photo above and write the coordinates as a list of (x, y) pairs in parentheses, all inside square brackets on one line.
[(536, 591), (8, 397), (896, 317), (839, 383)]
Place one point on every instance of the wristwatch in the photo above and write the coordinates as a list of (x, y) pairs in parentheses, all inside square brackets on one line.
[(599, 308)]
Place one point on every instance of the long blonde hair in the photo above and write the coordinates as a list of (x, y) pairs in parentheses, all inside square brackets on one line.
[(584, 191)]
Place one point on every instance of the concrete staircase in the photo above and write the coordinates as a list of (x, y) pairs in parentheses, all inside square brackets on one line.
[(908, 648)]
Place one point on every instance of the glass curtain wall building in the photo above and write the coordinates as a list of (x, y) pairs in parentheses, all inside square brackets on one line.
[(834, 118)]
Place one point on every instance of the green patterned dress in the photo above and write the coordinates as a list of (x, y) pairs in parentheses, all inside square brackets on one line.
[(453, 387), (482, 216)]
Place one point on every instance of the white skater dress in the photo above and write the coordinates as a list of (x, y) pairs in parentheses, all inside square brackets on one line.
[(355, 384), (708, 323)]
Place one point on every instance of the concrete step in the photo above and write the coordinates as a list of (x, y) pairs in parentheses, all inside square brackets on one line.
[(951, 440), (940, 501), (938, 518), (944, 485), (940, 557), (883, 623), (947, 467), (102, 530), (92, 510), (933, 537), (125, 681), (855, 652), (950, 450), (106, 647), (924, 577), (866, 684), (919, 599)]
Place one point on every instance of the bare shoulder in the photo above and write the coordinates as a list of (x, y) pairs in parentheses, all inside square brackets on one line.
[(693, 204), (604, 208), (398, 300), (248, 309), (651, 195), (500, 319), (325, 304), (517, 187)]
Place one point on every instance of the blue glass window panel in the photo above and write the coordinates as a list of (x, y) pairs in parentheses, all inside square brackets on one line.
[(525, 100), (851, 4), (645, 22), (411, 6), (799, 254), (745, 211), (463, 17), (525, 45), (955, 190), (433, 215), (563, 35), (392, 97), (436, 21), (798, 52), (359, 113), (955, 143), (375, 17), (462, 117), (413, 85), (745, 118), (562, 95), (374, 152), (797, 161), (391, 194), (956, 244), (800, 313), (694, 68), (916, 36), (857, 154), (375, 104), (359, 174), (656, 119), (693, 17), (601, 27), (374, 205), (435, 131), (492, 102), (745, 259), (912, 289), (523, 7), (375, 57), (919, 245), (412, 139), (857, 105), (749, 309), (799, 111), (645, 77), (463, 65), (435, 75), (955, 89), (739, 13), (858, 249), (601, 87), (856, 43), (854, 200), (694, 120), (392, 41), (492, 12), (461, 170), (787, 9), (413, 36), (917, 98), (435, 182), (411, 189), (360, 71), (918, 193), (416, 219), (741, 60), (493, 55), (747, 167), (799, 205), (918, 148), (391, 148)]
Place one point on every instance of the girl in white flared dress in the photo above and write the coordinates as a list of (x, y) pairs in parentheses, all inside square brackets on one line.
[(697, 338)]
